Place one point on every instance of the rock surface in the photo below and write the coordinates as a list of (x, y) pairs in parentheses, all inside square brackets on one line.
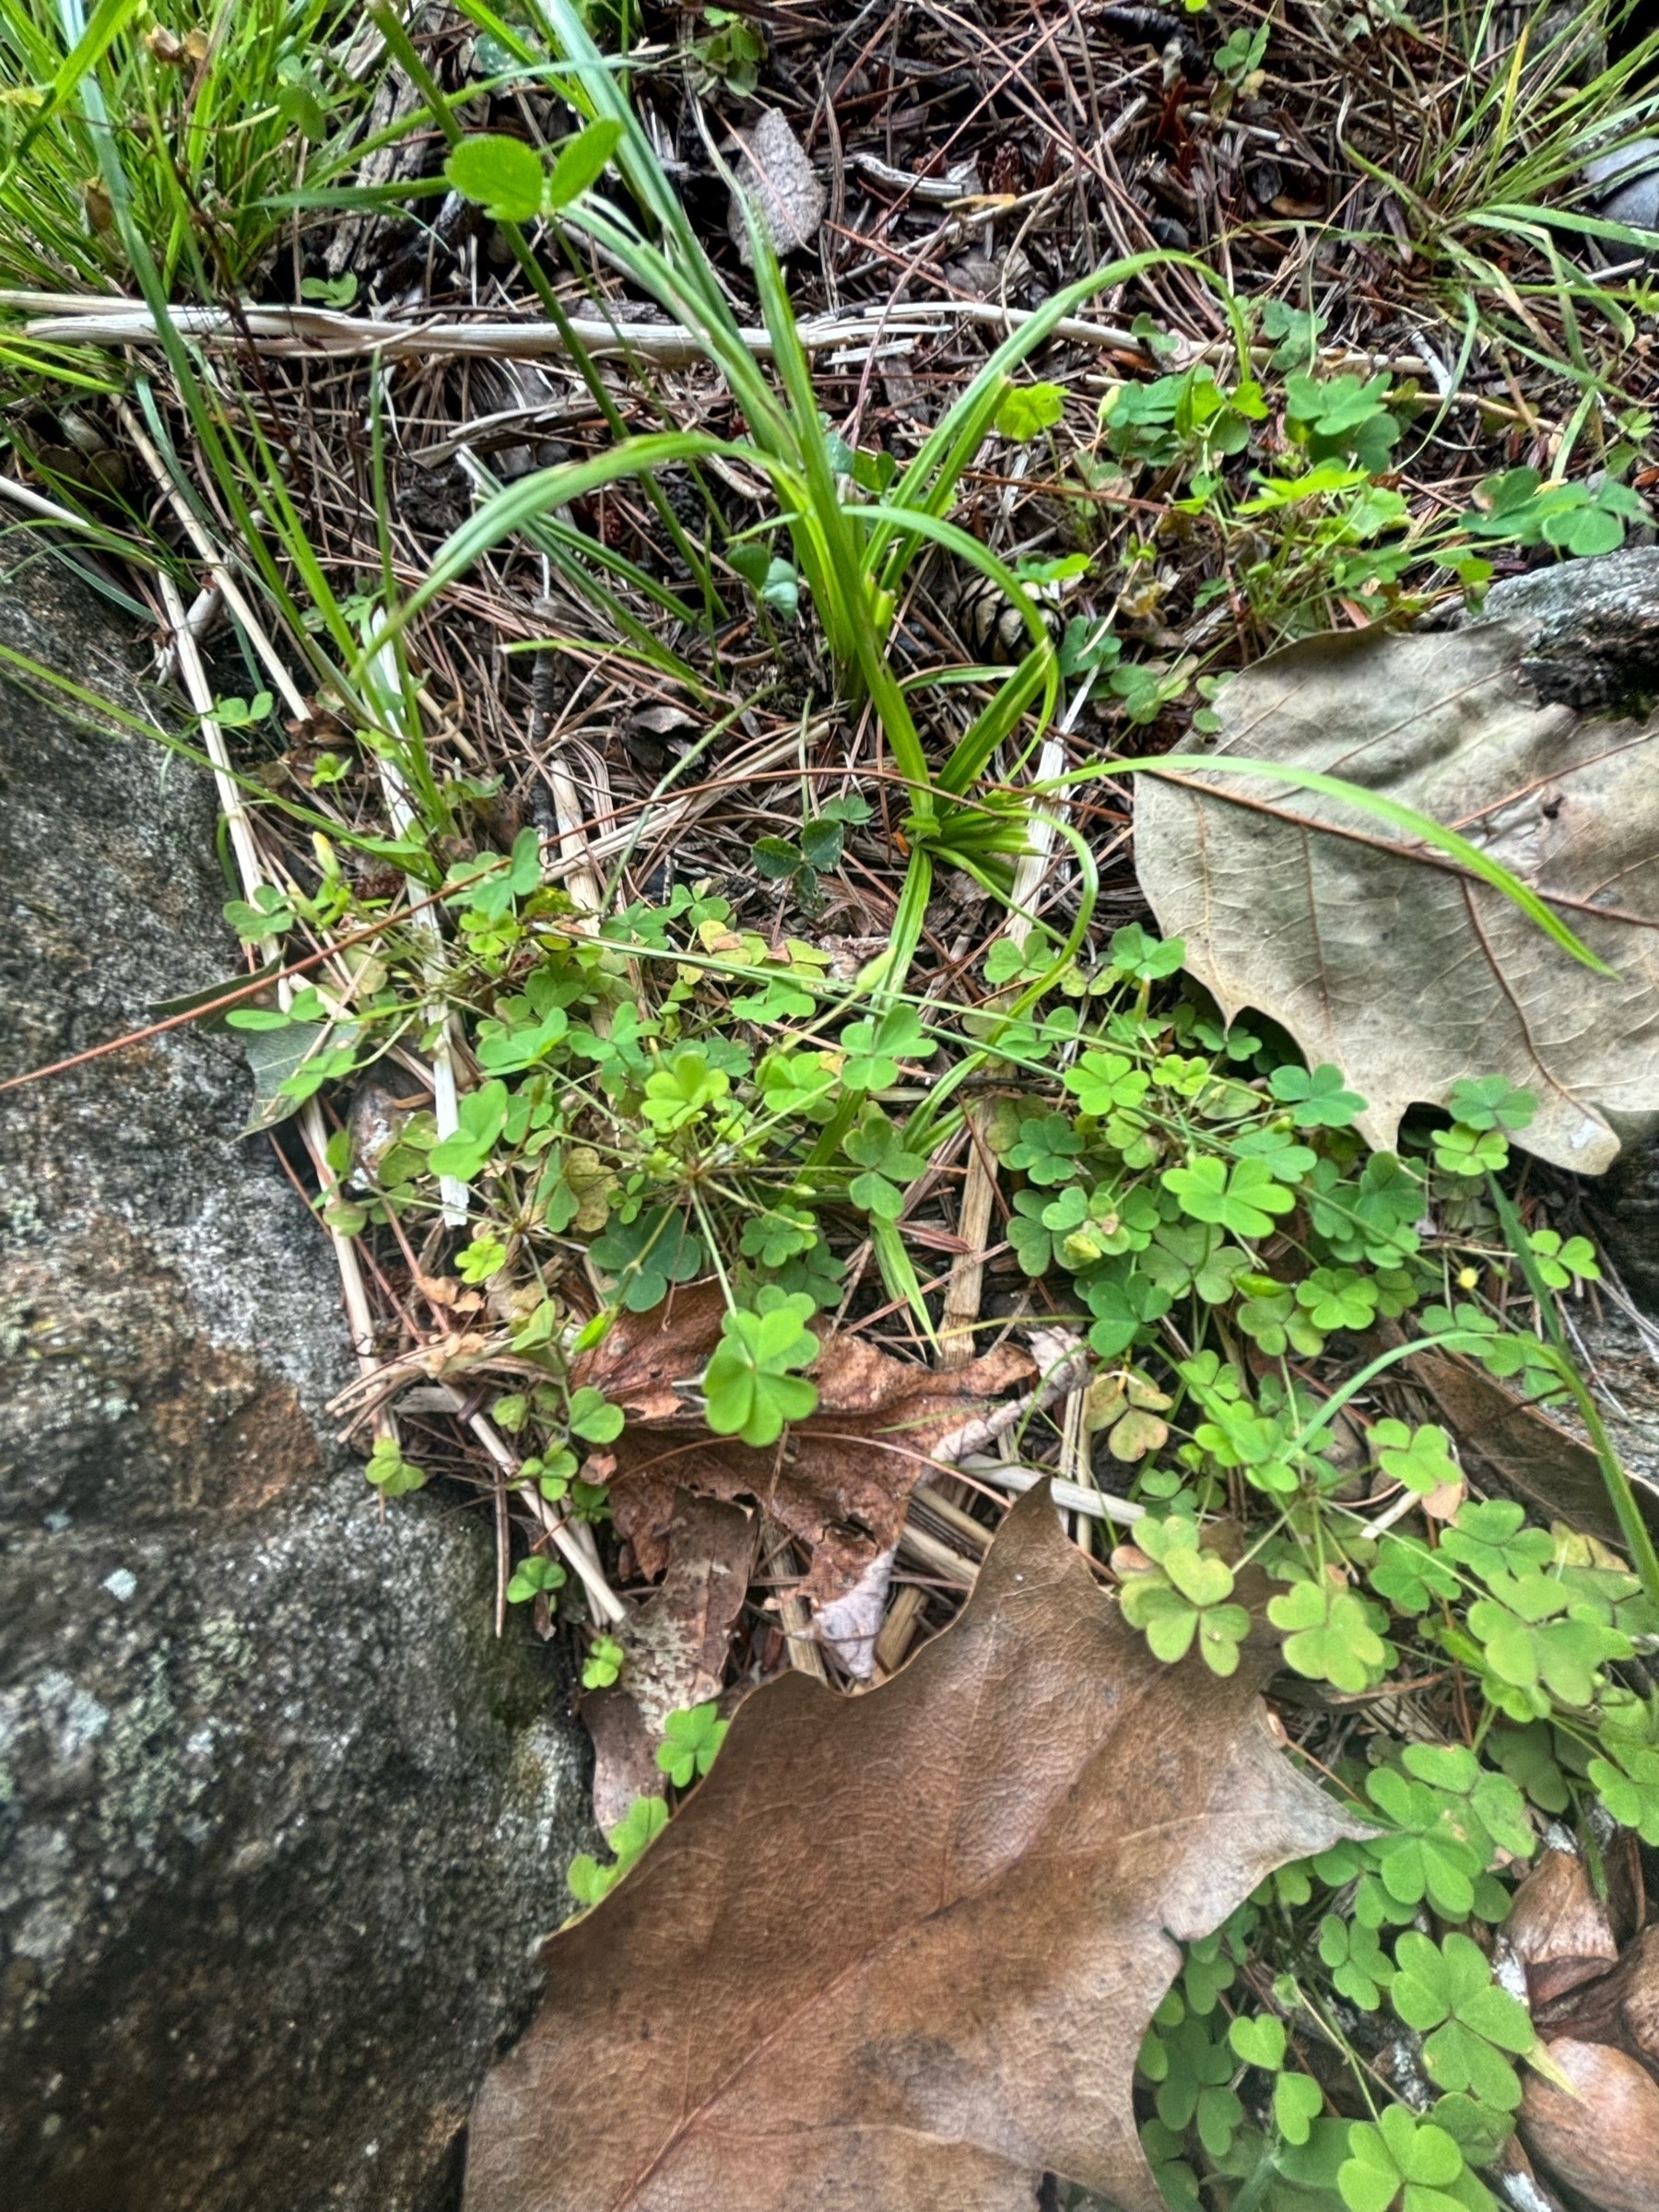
[(1592, 644), (1592, 630), (281, 1821)]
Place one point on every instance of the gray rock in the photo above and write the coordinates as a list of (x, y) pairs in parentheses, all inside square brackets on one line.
[(1591, 628), (281, 1821), (1591, 636), (1625, 186)]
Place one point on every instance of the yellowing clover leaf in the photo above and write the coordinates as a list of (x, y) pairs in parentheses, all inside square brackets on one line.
[(1331, 1637), (1420, 1458)]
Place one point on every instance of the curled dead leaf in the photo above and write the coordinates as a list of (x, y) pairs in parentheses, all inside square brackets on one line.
[(1601, 2137), (1535, 1456), (1621, 2007), (775, 176), (1559, 1927), (838, 1482), (902, 1950), (677, 1645)]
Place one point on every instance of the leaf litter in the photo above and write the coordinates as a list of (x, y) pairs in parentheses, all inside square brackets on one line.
[(1376, 952), (678, 1643), (839, 1481), (902, 1950), (1198, 482)]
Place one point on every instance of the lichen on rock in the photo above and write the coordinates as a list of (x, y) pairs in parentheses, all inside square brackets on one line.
[(281, 1821)]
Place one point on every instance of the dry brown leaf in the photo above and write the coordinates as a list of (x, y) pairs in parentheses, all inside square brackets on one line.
[(1601, 2137), (898, 1951), (677, 1645), (1405, 972), (1559, 1927), (1537, 1458), (1621, 2007), (838, 1482), (786, 191)]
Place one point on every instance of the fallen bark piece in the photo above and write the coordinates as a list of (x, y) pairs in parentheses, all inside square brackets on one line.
[(1602, 2138), (677, 1645), (898, 1951), (1379, 953), (839, 1481)]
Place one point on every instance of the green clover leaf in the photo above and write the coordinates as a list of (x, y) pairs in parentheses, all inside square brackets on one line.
[(1460, 1150), (1560, 1263), (876, 1046), (392, 1475), (1028, 1233), (1297, 2102), (594, 1417), (1147, 959), (1047, 1150), (1337, 1298), (1241, 1199), (485, 1256), (1259, 2041), (1316, 1096), (1024, 410), (1185, 1595), (504, 175), (1493, 1102), (1491, 1537), (531, 1576), (1426, 1857), (638, 1828), (1494, 1810), (1410, 1575), (1400, 2154), (482, 1116), (1360, 1968), (690, 1739), (646, 1255), (875, 1144), (1105, 1082), (1447, 1993), (604, 1662), (776, 1235), (682, 1088), (748, 1387)]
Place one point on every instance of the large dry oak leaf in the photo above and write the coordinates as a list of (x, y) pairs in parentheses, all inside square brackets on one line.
[(1385, 957), (898, 1951), (839, 1481)]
